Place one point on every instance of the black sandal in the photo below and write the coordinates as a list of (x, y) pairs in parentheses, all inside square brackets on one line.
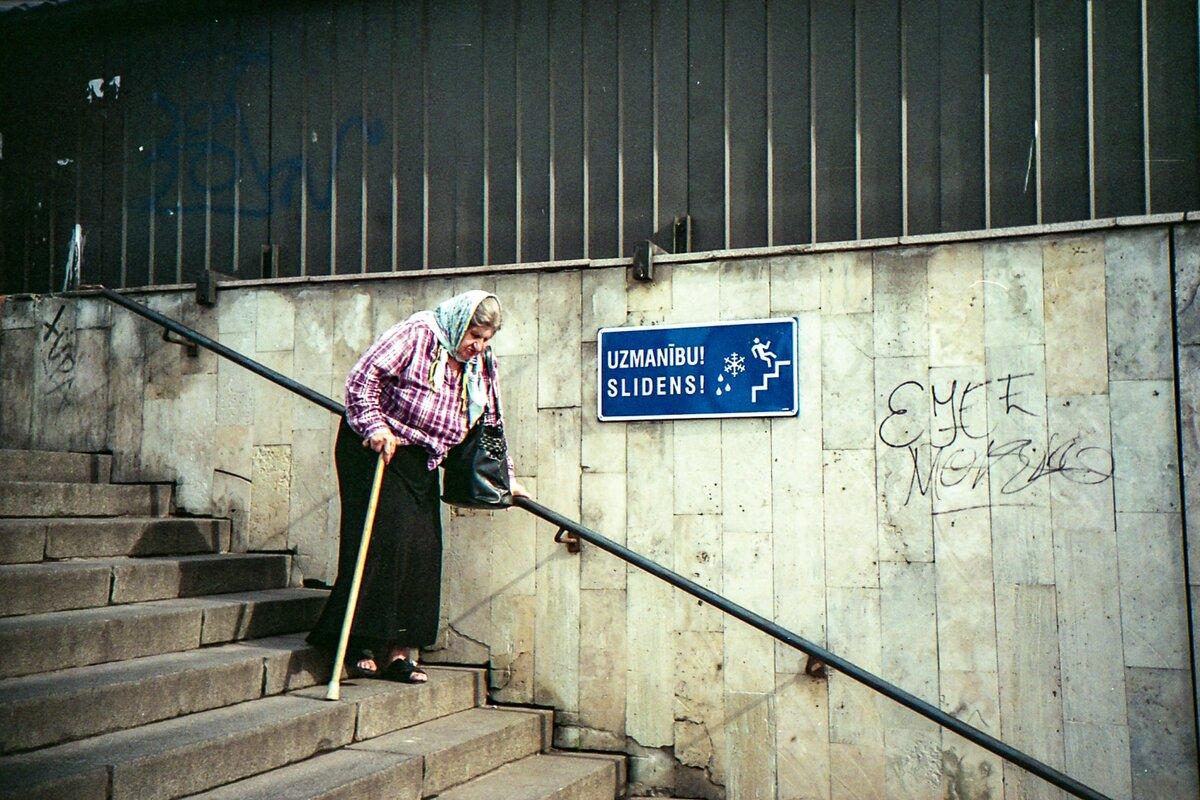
[(353, 670), (402, 670)]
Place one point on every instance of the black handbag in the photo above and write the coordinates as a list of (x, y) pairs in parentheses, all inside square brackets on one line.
[(475, 471)]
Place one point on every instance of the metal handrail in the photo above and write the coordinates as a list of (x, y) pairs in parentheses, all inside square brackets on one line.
[(778, 632)]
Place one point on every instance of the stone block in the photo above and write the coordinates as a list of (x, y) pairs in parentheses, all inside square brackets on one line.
[(1162, 733), (313, 507), (352, 329), (802, 738), (747, 581), (1138, 281), (648, 517), (272, 422), (559, 354), (603, 507), (901, 302), (913, 764), (203, 320), (1081, 492), (855, 712), (288, 662), (251, 615), (603, 442), (602, 654), (519, 300), (696, 293), (134, 536), (965, 599), (83, 499), (650, 675), (847, 381), (163, 359), (41, 588), (851, 539), (125, 393), (969, 770), (697, 453), (513, 649), (1153, 590), (192, 576), (795, 285), (908, 620), (647, 301), (1014, 310), (35, 465), (237, 313), (699, 707), (745, 453), (555, 777), (745, 290), (84, 425), (340, 775), (462, 746), (16, 386), (514, 552), (1089, 613), (270, 478), (1144, 446), (603, 293), (236, 386), (556, 667), (44, 642), (1076, 326), (1187, 283), (698, 557), (1097, 754), (751, 746), (389, 707), (957, 469), (956, 321), (845, 282), (1029, 682), (466, 596), (231, 500), (902, 454), (18, 313), (275, 327), (856, 772), (22, 541)]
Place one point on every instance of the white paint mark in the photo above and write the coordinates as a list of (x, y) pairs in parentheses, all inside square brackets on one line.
[(63, 162), (141, 147), (114, 83), (95, 89)]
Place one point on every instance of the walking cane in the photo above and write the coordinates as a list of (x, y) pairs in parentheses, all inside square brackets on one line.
[(333, 691)]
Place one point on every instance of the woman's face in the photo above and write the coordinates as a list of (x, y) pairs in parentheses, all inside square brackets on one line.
[(473, 342)]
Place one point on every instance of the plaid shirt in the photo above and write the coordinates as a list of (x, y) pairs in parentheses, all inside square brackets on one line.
[(389, 388)]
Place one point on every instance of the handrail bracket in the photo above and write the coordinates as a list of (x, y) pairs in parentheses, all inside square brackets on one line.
[(571, 540)]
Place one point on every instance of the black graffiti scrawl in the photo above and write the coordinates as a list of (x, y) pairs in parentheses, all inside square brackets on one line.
[(958, 446), (58, 359)]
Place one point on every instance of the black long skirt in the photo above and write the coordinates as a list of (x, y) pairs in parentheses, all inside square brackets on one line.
[(401, 584)]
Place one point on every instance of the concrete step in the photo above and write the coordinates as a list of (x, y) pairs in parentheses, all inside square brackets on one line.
[(344, 774), (63, 585), (546, 776), (58, 640), (41, 465), (42, 710), (24, 541), (192, 754), (84, 499), (462, 746)]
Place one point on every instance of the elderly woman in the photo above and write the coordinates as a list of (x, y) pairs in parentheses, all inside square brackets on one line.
[(411, 397)]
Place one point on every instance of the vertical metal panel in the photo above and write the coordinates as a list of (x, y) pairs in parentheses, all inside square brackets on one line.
[(833, 120), (317, 145), (637, 122), (746, 90), (113, 198), (90, 169), (962, 115), (139, 85), (501, 70), (1064, 111), (533, 133), (600, 69), (1175, 184), (1118, 107), (1013, 179), (378, 22), (878, 69), (788, 68), (670, 111), (162, 129), (920, 23), (252, 93), (409, 128), (566, 157), (706, 124), (193, 126), (348, 136), (288, 103), (466, 63)]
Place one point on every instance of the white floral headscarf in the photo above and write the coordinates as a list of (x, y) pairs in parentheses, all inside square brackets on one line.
[(449, 321)]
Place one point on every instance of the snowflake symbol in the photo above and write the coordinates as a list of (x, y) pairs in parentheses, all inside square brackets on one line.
[(735, 364)]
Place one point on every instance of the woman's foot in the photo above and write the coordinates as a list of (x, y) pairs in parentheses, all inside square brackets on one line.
[(403, 668)]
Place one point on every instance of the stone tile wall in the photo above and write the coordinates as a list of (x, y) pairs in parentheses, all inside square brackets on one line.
[(980, 500)]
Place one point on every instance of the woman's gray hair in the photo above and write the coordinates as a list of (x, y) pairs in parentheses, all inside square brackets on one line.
[(487, 314)]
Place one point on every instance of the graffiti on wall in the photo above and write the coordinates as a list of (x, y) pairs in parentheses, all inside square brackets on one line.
[(58, 359), (956, 446), (208, 146)]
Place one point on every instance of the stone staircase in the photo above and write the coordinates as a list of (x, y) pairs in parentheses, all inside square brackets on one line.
[(139, 660)]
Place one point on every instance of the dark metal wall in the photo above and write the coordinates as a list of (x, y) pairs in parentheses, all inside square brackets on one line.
[(368, 135)]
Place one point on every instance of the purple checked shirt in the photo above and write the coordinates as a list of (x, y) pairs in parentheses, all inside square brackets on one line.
[(389, 388)]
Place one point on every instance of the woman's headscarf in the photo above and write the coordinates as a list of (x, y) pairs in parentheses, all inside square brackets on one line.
[(449, 321)]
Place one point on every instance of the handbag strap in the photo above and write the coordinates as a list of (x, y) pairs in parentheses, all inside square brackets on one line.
[(489, 364)]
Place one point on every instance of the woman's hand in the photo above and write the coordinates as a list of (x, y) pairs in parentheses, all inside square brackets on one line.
[(383, 441), (518, 490)]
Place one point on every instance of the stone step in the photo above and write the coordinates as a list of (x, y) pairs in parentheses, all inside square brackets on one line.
[(546, 776), (414, 762), (41, 465), (42, 710), (63, 585), (44, 499), (191, 754), (24, 541), (58, 640)]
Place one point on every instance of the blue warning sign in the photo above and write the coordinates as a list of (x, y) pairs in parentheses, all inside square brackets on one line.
[(720, 369)]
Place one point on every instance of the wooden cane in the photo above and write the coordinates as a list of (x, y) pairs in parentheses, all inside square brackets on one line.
[(333, 691)]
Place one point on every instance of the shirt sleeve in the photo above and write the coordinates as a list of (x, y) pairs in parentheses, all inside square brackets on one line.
[(385, 359)]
